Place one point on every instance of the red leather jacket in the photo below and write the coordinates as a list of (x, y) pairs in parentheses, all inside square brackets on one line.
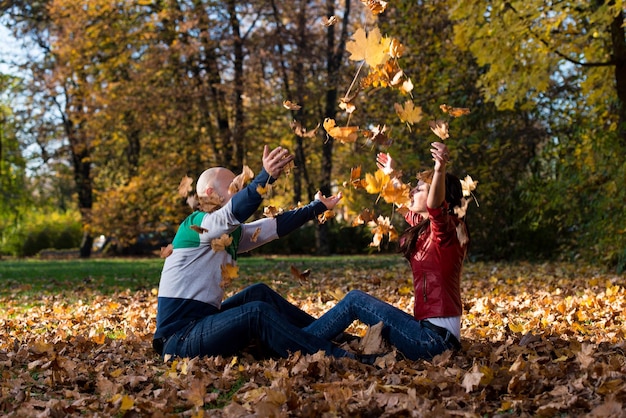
[(436, 262)]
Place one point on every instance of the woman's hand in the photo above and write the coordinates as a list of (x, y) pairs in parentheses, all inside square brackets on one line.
[(441, 155), (276, 160), (330, 201), (385, 163)]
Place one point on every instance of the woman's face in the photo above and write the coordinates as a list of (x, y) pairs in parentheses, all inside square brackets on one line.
[(418, 196)]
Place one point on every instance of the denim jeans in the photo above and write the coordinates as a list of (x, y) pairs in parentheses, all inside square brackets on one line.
[(410, 336), (256, 314)]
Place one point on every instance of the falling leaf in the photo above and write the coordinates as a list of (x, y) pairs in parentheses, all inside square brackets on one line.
[(455, 112), (407, 86), (329, 21), (348, 107), (240, 181), (355, 178), (440, 128), (370, 47), (210, 203), (396, 49), (378, 135), (220, 244), (396, 192), (468, 185), (301, 276), (364, 217), (408, 112), (184, 188), (376, 182), (229, 272), (287, 104), (301, 131), (198, 229), (375, 6), (265, 191), (255, 234), (272, 211), (325, 216), (344, 134)]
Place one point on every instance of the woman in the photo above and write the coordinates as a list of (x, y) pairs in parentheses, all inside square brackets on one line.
[(435, 245)]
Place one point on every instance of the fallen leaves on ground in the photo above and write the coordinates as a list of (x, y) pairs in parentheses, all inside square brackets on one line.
[(538, 340)]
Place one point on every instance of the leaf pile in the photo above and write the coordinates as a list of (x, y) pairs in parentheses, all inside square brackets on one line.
[(538, 340)]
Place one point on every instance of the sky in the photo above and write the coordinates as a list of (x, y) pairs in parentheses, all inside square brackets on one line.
[(9, 50)]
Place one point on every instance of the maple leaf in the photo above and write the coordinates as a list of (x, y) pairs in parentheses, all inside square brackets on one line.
[(376, 182), (364, 217), (272, 211), (265, 191), (396, 49), (220, 244), (471, 380), (210, 203), (375, 6), (468, 185), (344, 134), (355, 178), (378, 136), (198, 229), (287, 104), (323, 217), (408, 112), (240, 181), (382, 226), (455, 112), (369, 47), (396, 192), (439, 128), (372, 342), (229, 272), (184, 188), (301, 131)]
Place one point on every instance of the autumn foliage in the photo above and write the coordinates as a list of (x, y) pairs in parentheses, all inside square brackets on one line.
[(538, 340)]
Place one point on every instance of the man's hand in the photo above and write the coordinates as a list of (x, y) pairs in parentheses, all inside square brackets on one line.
[(330, 201), (276, 160)]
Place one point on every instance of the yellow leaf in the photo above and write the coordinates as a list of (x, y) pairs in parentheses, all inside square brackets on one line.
[(376, 182), (229, 272), (343, 134), (517, 328), (185, 186), (127, 403), (369, 47), (265, 191), (220, 244), (408, 113), (288, 104), (455, 112), (241, 180), (440, 128)]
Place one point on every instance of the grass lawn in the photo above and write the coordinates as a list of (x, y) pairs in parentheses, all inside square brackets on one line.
[(31, 279)]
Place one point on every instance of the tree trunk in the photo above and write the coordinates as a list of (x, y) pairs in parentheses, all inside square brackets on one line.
[(619, 56)]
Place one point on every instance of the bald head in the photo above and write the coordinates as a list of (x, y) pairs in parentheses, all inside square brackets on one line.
[(215, 179)]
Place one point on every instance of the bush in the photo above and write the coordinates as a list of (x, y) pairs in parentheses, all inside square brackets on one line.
[(57, 230)]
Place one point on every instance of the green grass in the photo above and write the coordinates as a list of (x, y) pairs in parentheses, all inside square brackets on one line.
[(31, 279)]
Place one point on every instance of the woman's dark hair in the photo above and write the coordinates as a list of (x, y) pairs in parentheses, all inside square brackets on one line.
[(454, 194)]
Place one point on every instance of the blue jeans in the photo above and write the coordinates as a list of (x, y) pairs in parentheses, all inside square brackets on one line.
[(256, 314), (413, 338)]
